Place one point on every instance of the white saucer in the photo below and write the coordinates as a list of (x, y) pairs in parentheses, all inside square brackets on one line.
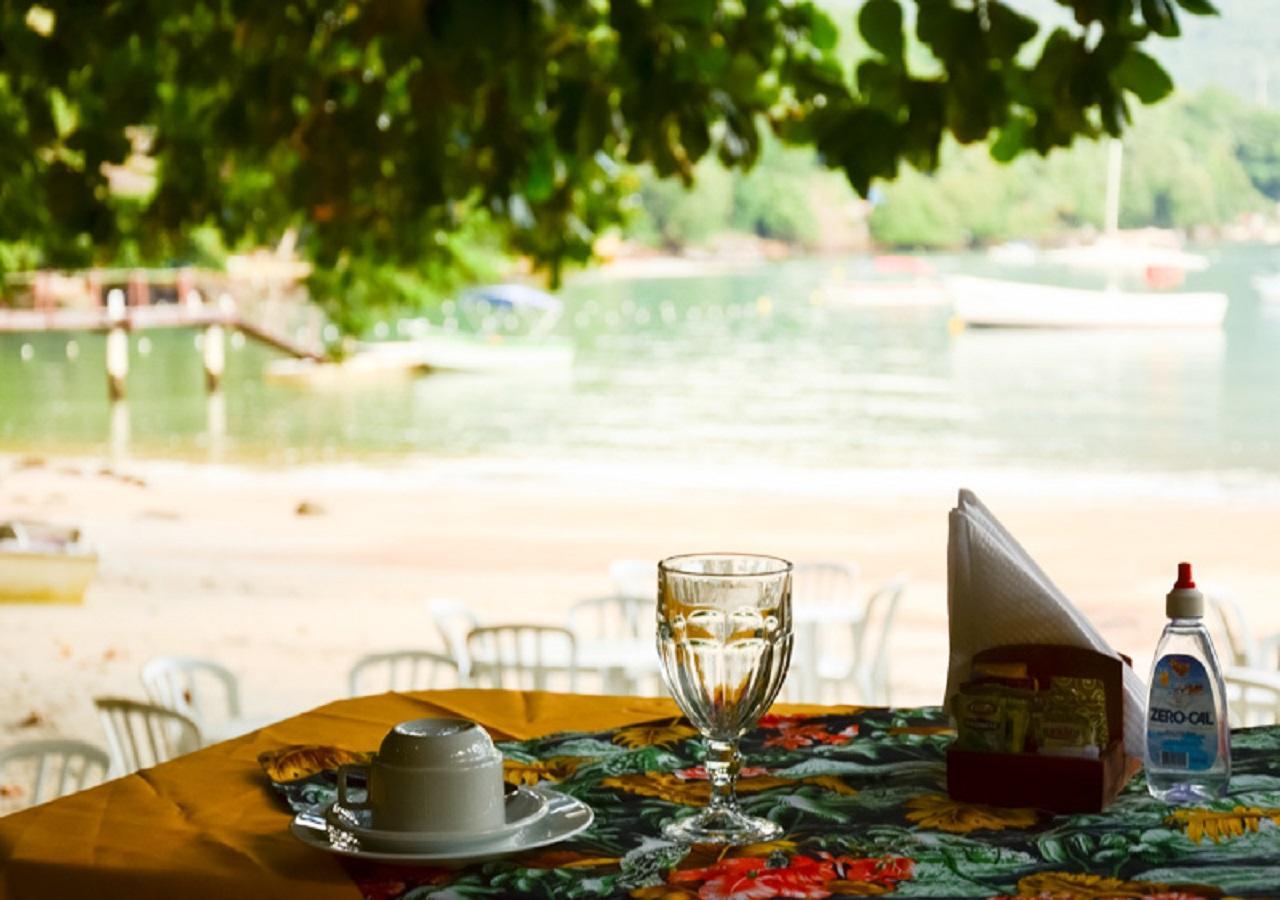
[(523, 807), (565, 817)]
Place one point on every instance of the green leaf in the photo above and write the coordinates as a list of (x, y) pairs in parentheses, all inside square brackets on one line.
[(822, 31), (880, 22), (1142, 75), (879, 82), (1008, 30), (1011, 140), (1199, 7), (1161, 17)]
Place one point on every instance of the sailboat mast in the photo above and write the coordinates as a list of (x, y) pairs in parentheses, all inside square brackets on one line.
[(1111, 215)]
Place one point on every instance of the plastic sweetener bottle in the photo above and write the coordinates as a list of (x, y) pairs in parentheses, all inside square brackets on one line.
[(1188, 741)]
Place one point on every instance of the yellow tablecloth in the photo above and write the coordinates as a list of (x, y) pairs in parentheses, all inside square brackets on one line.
[(207, 826)]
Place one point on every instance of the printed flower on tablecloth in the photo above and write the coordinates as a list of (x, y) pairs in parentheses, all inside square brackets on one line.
[(557, 768), (699, 773), (793, 737), (654, 734), (941, 813), (751, 878), (1219, 825), (771, 721), (1079, 886), (304, 760), (690, 792), (389, 883)]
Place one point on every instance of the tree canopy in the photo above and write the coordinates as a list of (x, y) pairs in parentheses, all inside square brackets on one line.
[(382, 129)]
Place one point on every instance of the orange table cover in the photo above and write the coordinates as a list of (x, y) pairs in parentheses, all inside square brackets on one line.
[(206, 825)]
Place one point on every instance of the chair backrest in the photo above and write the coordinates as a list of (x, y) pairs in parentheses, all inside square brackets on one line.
[(1227, 621), (613, 618), (873, 655), (401, 670), (523, 657), (821, 583), (635, 578), (142, 734), (454, 620), (200, 689), (1253, 696), (46, 770)]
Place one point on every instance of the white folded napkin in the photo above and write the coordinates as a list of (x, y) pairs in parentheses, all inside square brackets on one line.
[(996, 594)]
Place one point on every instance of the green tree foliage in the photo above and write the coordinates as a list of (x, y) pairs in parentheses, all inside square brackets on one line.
[(1192, 162), (380, 128), (675, 217), (773, 199)]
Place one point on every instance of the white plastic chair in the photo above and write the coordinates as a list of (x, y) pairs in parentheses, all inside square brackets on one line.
[(200, 689), (1227, 621), (824, 584), (401, 670), (454, 620), (609, 630), (46, 770), (635, 578), (143, 734), (1253, 696), (204, 691), (616, 617), (869, 672), (827, 618), (522, 657)]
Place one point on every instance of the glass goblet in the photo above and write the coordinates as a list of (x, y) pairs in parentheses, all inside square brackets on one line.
[(724, 636)]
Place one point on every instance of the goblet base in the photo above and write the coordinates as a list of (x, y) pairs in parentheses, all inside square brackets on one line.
[(721, 826)]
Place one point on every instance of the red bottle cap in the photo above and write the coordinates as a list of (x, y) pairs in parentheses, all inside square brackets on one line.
[(1185, 581)]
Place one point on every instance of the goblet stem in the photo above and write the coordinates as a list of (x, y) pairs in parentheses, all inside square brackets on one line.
[(723, 763)]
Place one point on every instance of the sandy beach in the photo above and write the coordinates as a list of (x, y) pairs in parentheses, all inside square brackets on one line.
[(216, 561)]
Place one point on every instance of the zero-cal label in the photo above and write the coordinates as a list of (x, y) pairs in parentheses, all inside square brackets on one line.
[(1182, 729)]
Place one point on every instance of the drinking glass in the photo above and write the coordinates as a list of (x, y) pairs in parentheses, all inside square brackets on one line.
[(724, 636)]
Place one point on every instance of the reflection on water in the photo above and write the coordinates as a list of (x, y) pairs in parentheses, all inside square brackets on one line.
[(742, 367)]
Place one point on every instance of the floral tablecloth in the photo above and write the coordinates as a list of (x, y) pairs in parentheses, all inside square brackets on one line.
[(863, 802)]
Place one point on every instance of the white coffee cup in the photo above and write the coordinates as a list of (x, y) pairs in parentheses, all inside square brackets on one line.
[(436, 775)]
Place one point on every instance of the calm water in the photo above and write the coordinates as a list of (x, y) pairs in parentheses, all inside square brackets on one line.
[(704, 370)]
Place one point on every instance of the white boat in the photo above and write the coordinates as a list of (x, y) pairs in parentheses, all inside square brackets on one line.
[(1154, 252), (362, 366), (991, 303), (1116, 253), (42, 563), (1268, 287), (507, 329)]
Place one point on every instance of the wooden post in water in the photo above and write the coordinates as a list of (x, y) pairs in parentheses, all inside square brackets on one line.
[(117, 345), (213, 347), (120, 431)]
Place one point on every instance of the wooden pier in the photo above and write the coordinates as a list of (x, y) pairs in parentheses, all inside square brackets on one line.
[(160, 298)]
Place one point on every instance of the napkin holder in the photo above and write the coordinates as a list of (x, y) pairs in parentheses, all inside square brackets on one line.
[(1058, 784)]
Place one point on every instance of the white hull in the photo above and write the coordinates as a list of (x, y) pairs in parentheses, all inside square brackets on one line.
[(1268, 287), (989, 303), (1126, 256), (467, 353), (35, 577), (432, 353)]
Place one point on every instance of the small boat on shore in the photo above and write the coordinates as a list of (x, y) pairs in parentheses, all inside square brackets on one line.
[(992, 303), (1268, 287), (504, 328), (42, 563)]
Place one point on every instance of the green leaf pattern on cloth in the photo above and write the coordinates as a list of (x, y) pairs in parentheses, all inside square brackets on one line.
[(862, 799)]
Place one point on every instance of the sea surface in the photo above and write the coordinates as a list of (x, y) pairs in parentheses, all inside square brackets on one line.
[(743, 368)]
